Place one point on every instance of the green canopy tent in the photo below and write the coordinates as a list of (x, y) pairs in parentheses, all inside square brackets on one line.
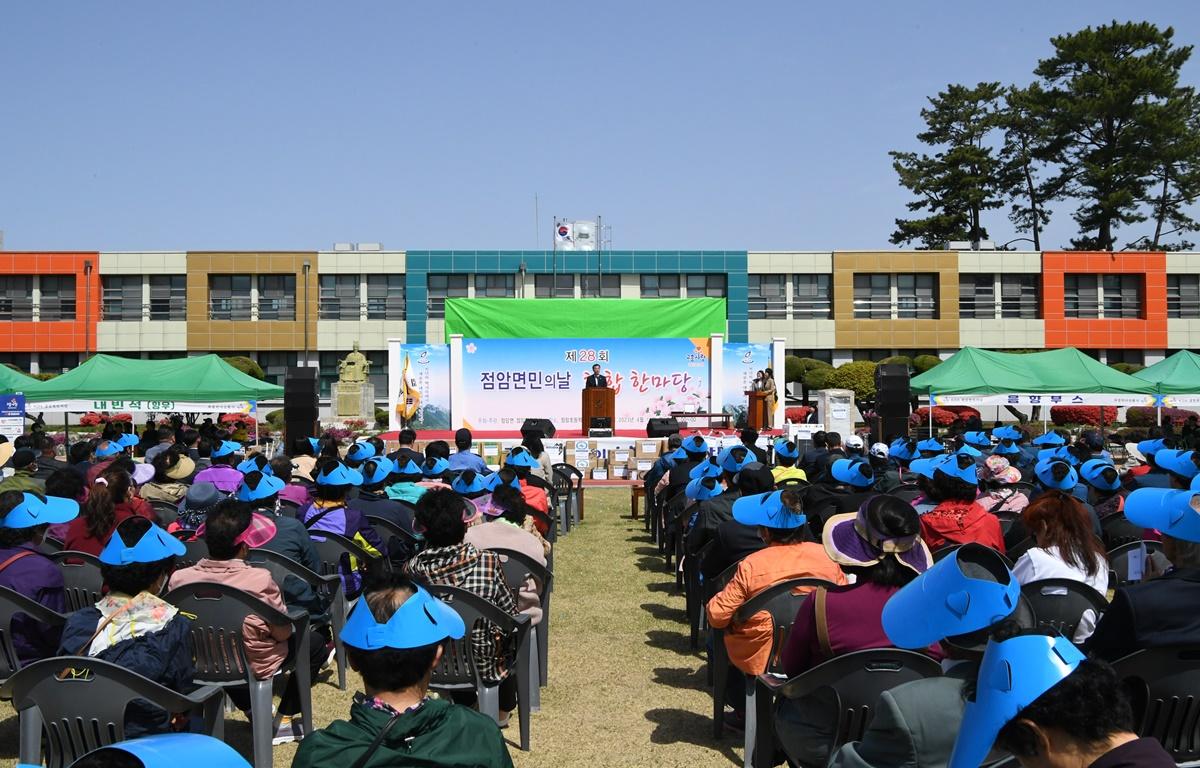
[(1055, 377), (16, 383), (1179, 374), (204, 384)]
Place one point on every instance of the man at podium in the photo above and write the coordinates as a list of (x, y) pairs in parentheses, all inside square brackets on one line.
[(596, 379)]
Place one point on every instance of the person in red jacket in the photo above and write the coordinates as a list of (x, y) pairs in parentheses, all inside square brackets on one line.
[(110, 501), (958, 518)]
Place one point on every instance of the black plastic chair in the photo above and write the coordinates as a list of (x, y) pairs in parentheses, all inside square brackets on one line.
[(519, 567), (693, 592), (13, 603), (1059, 604), (194, 551), (457, 670), (1164, 687), (85, 709), (1014, 553), (50, 545), (575, 500), (166, 512), (218, 612), (1118, 561), (906, 493), (336, 553), (791, 482), (855, 679), (81, 578), (944, 552), (391, 533), (289, 508), (283, 567)]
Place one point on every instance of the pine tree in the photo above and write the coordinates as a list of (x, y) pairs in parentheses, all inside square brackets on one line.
[(1025, 180)]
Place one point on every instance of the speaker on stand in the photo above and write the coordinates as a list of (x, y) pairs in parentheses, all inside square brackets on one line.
[(664, 427), (892, 402), (537, 427), (301, 407)]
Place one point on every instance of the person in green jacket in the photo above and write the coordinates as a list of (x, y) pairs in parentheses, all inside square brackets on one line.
[(24, 476), (395, 638)]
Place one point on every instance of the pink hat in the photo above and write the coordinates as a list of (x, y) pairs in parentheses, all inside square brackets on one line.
[(849, 540), (260, 531), (998, 469)]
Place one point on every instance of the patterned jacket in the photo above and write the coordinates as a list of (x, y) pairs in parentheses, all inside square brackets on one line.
[(478, 572)]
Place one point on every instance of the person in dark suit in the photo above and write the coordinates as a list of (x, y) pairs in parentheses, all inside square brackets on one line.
[(596, 379), (1152, 613), (749, 438)]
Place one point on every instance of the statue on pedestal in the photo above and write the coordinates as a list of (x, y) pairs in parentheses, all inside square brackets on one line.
[(353, 396), (354, 367)]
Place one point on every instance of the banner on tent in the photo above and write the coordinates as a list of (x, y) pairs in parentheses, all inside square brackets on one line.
[(419, 389), (1179, 401), (12, 416), (506, 381), (1093, 398), (742, 362), (144, 406)]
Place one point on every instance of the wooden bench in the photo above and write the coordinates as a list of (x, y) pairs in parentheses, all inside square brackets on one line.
[(636, 491)]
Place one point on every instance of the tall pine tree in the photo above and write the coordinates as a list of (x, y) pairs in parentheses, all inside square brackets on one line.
[(961, 179), (1024, 174)]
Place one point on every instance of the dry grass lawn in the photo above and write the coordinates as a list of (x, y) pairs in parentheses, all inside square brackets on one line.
[(624, 688)]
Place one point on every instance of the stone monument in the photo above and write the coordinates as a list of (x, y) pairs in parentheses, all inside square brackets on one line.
[(353, 394)]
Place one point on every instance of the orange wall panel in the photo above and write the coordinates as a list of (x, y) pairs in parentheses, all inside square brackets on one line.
[(78, 335), (1146, 332)]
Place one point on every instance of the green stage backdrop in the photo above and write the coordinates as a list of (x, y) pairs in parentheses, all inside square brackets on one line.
[(584, 318)]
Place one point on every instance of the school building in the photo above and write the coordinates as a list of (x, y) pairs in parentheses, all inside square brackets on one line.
[(275, 307)]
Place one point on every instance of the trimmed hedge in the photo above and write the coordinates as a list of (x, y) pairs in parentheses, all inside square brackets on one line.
[(1082, 414), (1145, 416), (858, 376), (943, 416)]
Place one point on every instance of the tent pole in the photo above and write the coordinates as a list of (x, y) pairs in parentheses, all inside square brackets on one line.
[(66, 432), (1158, 414)]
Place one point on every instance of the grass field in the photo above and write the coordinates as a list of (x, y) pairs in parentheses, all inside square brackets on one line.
[(624, 688)]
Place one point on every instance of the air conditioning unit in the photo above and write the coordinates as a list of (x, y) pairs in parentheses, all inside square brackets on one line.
[(370, 246), (959, 245), (343, 246)]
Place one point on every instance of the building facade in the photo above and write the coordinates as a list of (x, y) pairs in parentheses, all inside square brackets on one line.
[(278, 307)]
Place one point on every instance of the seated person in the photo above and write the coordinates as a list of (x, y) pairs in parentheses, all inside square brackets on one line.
[(504, 529), (359, 452), (230, 533), (787, 452), (1108, 499), (25, 473), (295, 488), (132, 626), (957, 518), (435, 472), (1039, 699), (887, 474), (1147, 474), (475, 488), (331, 512), (778, 518), (304, 456), (1056, 475), (172, 468), (692, 451), (544, 471), (536, 523), (996, 484), (1150, 614), (372, 498), (840, 490), (199, 501), (24, 518), (464, 458), (448, 559), (395, 639), (64, 484), (406, 483), (222, 473), (522, 462), (881, 547), (407, 438), (752, 479), (111, 499)]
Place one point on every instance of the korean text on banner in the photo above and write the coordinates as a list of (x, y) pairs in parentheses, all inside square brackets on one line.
[(742, 362), (419, 386)]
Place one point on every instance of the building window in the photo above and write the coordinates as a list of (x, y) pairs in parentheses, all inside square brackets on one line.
[(812, 297), (337, 297), (874, 355), (229, 297), (16, 297), (57, 297), (168, 297), (277, 297), (824, 355), (275, 365), (977, 297), (57, 362), (1019, 297), (706, 286), (495, 286), (22, 361), (1132, 356), (442, 287), (121, 297), (1183, 297), (916, 296), (1102, 296), (554, 286), (767, 297), (327, 370), (873, 297), (660, 286), (378, 377), (609, 286), (385, 297)]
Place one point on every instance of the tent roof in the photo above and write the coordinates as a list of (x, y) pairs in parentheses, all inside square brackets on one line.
[(16, 383), (974, 371), (1179, 374), (202, 379)]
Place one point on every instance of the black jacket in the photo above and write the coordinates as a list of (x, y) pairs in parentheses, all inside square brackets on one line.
[(1148, 615), (822, 501), (596, 380), (759, 454), (709, 516), (733, 542)]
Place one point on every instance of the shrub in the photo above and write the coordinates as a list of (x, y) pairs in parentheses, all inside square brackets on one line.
[(797, 413), (943, 416), (1082, 414), (235, 421), (1126, 367), (818, 378), (93, 419), (246, 366), (275, 418), (858, 376), (381, 418), (1145, 416), (924, 362), (897, 360), (797, 368)]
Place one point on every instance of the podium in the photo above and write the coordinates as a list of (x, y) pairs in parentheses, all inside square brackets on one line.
[(598, 402), (757, 417)]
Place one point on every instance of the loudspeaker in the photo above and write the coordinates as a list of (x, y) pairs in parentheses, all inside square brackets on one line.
[(601, 422), (892, 396), (885, 429), (539, 427), (659, 427), (301, 410)]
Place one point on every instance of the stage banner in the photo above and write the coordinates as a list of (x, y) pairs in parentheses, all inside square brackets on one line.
[(506, 381), (742, 362), (418, 386), (1065, 398)]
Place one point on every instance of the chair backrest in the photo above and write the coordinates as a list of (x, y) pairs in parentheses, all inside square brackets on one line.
[(389, 531), (334, 549), (1015, 552), (166, 512), (905, 492), (781, 602), (281, 567), (548, 522), (51, 544), (571, 472), (944, 552), (562, 482), (791, 482), (84, 710), (13, 603), (1118, 560), (194, 551), (1164, 687), (457, 668), (81, 578), (857, 679), (519, 566), (1029, 489), (218, 612), (1059, 604)]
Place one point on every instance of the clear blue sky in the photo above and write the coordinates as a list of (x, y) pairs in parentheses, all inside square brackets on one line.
[(152, 125)]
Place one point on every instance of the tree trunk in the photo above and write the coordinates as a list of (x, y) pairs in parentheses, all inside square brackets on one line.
[(1031, 190), (1104, 239), (1160, 211), (1019, 416)]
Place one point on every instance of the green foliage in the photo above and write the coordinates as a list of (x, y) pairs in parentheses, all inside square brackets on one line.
[(246, 366), (1024, 178), (796, 368), (45, 376), (858, 376), (1126, 367), (275, 418), (816, 378), (923, 363), (381, 418), (897, 360), (962, 178)]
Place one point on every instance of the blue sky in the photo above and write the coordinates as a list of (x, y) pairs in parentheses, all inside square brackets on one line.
[(149, 125)]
